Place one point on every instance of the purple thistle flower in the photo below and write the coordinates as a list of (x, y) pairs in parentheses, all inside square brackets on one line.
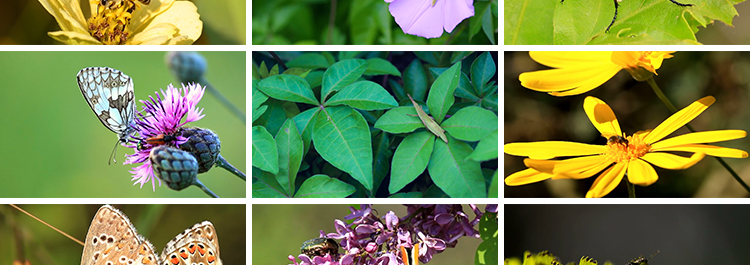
[(161, 118)]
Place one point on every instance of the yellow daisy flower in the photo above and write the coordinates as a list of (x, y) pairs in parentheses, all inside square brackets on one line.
[(629, 154), (126, 22), (581, 71)]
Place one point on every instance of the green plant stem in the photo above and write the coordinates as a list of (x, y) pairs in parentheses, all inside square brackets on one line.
[(221, 162), (215, 92), (631, 189), (672, 108), (205, 189), (331, 23), (279, 62)]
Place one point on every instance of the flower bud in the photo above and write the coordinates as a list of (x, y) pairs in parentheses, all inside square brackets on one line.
[(177, 168), (203, 144)]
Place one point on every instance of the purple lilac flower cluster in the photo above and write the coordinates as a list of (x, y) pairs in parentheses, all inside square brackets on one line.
[(373, 240)]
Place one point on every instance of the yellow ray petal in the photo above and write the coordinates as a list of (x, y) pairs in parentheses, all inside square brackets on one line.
[(602, 116), (679, 119), (641, 173), (585, 174), (561, 59), (552, 149), (711, 150), (699, 138), (526, 176), (671, 161), (580, 78), (607, 181), (575, 165)]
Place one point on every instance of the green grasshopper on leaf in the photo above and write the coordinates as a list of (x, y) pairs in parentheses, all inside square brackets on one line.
[(428, 121)]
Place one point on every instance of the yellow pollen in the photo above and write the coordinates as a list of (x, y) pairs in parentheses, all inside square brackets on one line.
[(110, 24), (621, 152)]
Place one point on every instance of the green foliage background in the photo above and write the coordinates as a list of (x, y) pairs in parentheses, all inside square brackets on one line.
[(689, 76), (54, 146), (273, 242), (158, 223), (26, 22)]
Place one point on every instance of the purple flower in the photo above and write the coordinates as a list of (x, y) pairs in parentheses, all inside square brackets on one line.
[(422, 18), (162, 117)]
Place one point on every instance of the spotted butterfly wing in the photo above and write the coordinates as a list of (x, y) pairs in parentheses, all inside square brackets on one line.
[(112, 239), (110, 95), (197, 245)]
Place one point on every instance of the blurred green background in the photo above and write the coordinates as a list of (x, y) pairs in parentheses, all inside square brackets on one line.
[(535, 116), (54, 146), (361, 22), (158, 223), (27, 22), (279, 231)]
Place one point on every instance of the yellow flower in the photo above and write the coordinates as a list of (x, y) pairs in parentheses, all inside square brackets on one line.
[(126, 22), (581, 71), (629, 154)]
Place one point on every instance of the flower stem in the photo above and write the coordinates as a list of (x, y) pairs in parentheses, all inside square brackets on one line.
[(631, 189), (205, 189), (671, 108), (215, 92), (221, 162)]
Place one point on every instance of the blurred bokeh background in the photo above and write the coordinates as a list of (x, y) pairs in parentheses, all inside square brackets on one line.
[(157, 223), (684, 234), (54, 146), (26, 22), (535, 116), (279, 231)]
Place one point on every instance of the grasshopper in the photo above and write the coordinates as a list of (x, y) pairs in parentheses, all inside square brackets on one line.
[(428, 121)]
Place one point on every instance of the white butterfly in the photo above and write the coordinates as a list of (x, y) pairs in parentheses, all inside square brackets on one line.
[(110, 95)]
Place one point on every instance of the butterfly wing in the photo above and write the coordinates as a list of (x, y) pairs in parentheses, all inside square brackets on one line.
[(196, 245), (110, 95), (112, 239)]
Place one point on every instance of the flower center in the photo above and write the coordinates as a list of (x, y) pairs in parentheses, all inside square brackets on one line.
[(110, 24), (621, 149)]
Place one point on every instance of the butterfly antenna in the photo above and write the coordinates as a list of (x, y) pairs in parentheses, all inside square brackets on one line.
[(45, 223), (652, 255)]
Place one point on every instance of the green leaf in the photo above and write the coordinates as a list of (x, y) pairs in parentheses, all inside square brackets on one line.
[(322, 186), (434, 192), (410, 160), (343, 55), (415, 80), (274, 70), (486, 148), (361, 22), (309, 61), (490, 103), (489, 23), (381, 158), (475, 22), (528, 22), (288, 87), (258, 97), (297, 71), (341, 136), (487, 251), (378, 66), (277, 112), (342, 74), (305, 124), (315, 78), (289, 145), (428, 56), (493, 189), (471, 124), (263, 70), (456, 176), (398, 90), (265, 156), (441, 97), (366, 95), (265, 185), (258, 112), (396, 120), (482, 69), (412, 194)]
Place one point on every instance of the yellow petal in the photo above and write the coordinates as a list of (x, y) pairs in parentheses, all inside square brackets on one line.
[(563, 59), (73, 38), (551, 149), (602, 116), (679, 119), (577, 164), (183, 15), (580, 79), (67, 13), (641, 173), (526, 176), (585, 174), (711, 150), (699, 138), (155, 35), (671, 161), (607, 181)]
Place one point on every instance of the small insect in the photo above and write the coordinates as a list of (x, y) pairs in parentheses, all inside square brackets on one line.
[(616, 139), (319, 247), (641, 260), (109, 93), (410, 256), (114, 4), (617, 5), (159, 139)]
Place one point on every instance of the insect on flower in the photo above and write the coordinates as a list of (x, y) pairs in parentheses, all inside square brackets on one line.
[(114, 4), (617, 5), (319, 247), (159, 139), (617, 139), (410, 256), (641, 260), (109, 93)]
